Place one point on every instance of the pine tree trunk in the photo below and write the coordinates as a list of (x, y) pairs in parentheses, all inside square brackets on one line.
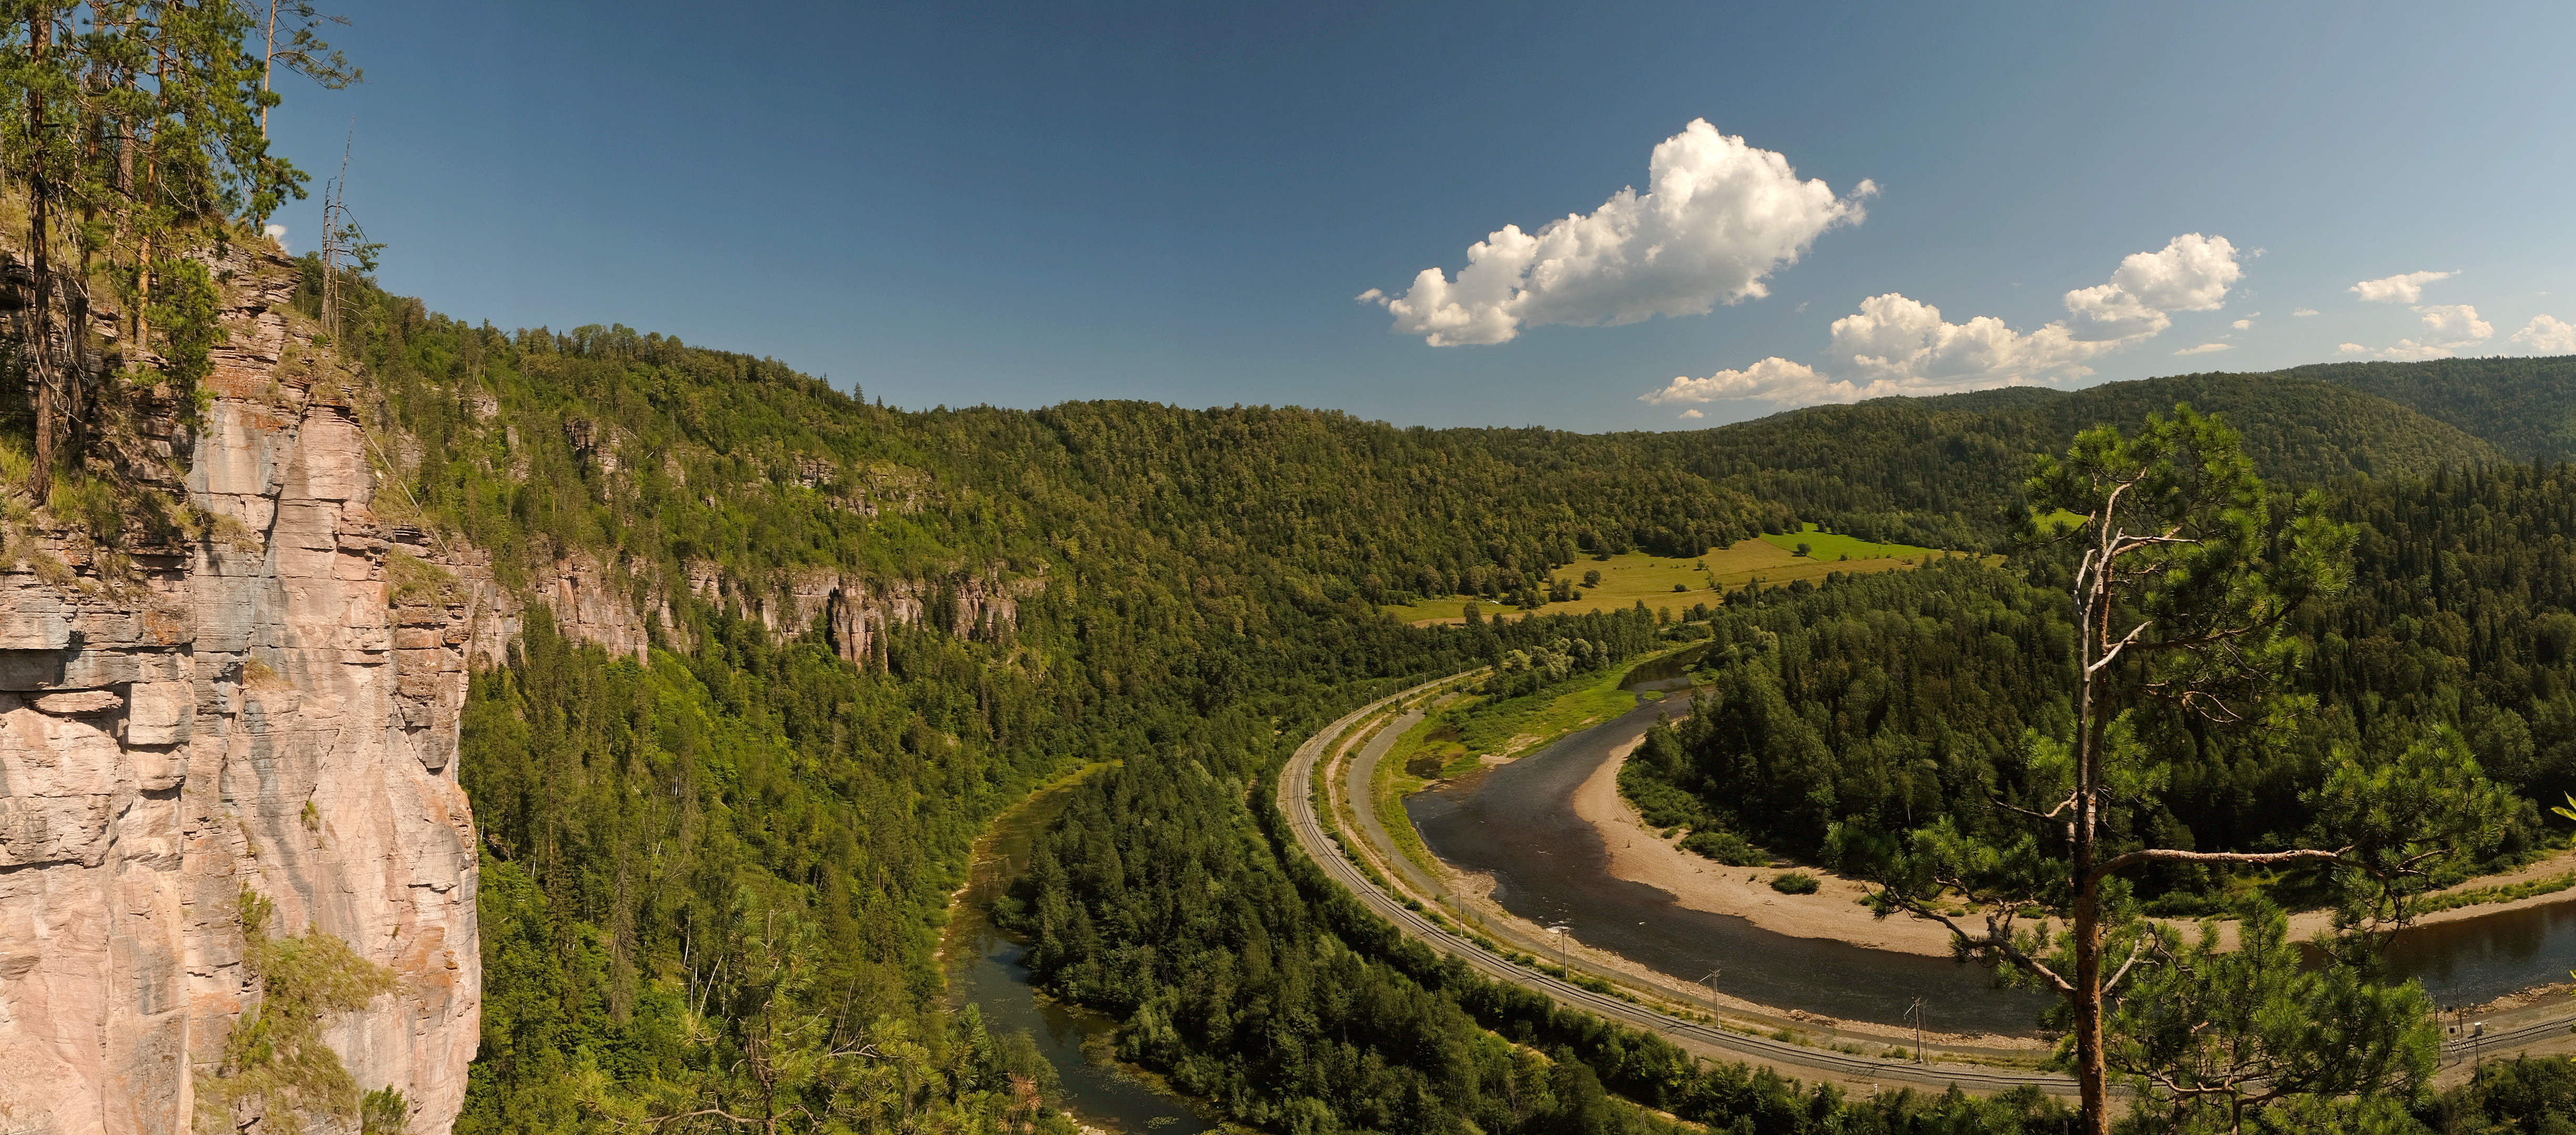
[(40, 27), (2091, 1077), (2092, 734)]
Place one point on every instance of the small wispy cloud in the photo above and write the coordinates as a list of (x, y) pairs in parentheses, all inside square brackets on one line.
[(2407, 288), (2304, 312), (2205, 348)]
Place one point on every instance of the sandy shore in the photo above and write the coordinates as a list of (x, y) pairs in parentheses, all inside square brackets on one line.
[(2308, 922), (1640, 854)]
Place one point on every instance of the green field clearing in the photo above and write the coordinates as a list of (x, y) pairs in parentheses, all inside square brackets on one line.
[(2057, 521), (1833, 547), (1640, 576), (1462, 729)]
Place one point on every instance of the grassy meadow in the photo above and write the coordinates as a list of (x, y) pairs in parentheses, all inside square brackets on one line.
[(1642, 577)]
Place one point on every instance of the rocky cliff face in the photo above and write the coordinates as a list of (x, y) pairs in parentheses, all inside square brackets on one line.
[(252, 682), (266, 701)]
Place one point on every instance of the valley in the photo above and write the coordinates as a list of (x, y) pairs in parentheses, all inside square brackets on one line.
[(735, 669)]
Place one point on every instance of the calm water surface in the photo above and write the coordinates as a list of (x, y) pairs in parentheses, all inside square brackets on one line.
[(1552, 868), (985, 969), (2477, 959), (1516, 824)]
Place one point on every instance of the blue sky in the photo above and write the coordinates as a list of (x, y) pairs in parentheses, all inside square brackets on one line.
[(1024, 204)]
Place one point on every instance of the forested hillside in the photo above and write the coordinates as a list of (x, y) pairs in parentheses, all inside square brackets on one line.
[(711, 869), (1946, 471), (2525, 407), (1902, 698), (714, 876)]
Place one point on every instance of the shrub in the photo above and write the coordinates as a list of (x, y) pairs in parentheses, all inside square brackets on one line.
[(1726, 847), (275, 1063), (1803, 549), (1794, 883)]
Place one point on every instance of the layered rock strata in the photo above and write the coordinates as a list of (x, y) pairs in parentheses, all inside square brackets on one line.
[(264, 702), (259, 690)]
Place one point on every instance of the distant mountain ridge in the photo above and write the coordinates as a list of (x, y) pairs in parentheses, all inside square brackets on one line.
[(1946, 471), (2524, 406)]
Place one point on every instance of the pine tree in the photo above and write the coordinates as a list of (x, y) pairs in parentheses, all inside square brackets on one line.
[(2180, 591), (142, 138)]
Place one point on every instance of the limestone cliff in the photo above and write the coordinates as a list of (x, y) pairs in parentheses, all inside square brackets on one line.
[(256, 690), (232, 661)]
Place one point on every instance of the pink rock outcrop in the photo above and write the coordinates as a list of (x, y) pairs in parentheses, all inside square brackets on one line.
[(271, 705), (269, 701)]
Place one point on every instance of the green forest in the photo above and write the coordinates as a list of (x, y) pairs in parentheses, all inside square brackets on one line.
[(740, 849), (1901, 698), (714, 872)]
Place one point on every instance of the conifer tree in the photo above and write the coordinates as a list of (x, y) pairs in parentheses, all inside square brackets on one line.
[(139, 134), (2181, 588)]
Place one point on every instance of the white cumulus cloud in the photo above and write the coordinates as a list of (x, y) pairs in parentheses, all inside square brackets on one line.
[(2454, 323), (2205, 348), (1774, 379), (1717, 218), (2192, 273), (2352, 349), (2407, 288), (1898, 345), (2547, 335), (2448, 327), (275, 232), (1692, 415)]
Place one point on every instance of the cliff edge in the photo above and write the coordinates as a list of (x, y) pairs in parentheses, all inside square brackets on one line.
[(254, 690)]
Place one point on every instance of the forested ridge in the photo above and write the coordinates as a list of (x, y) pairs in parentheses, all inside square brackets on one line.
[(1946, 471), (2523, 406), (713, 874), (708, 871), (1905, 697)]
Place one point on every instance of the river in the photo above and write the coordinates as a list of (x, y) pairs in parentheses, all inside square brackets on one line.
[(985, 969), (1517, 824), (2479, 959)]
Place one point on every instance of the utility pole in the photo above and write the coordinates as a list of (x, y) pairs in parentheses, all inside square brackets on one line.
[(1915, 1012)]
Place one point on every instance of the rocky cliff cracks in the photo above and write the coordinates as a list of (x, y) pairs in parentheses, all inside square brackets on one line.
[(261, 696), (232, 667)]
